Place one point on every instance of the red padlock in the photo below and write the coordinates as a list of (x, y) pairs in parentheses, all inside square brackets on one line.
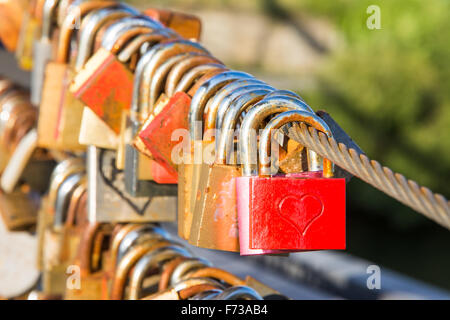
[(293, 212), (105, 84), (157, 133)]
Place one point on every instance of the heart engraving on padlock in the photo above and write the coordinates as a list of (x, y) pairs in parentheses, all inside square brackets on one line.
[(114, 179), (301, 213)]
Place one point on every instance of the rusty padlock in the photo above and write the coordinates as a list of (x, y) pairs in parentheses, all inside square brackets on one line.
[(60, 112), (172, 115), (93, 284), (140, 109), (106, 74), (186, 25), (194, 157), (214, 223)]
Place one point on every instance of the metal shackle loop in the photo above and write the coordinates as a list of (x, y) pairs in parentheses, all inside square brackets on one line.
[(74, 14), (63, 198), (279, 121), (204, 93), (136, 44), (189, 78), (183, 66), (48, 13), (161, 53), (223, 97), (91, 26), (186, 266), (148, 262), (253, 121), (229, 122), (284, 93), (139, 235), (115, 30)]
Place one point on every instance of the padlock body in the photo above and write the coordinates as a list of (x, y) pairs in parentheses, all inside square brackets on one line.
[(105, 85), (288, 213), (92, 287), (215, 222), (157, 135), (187, 26), (60, 113), (109, 202)]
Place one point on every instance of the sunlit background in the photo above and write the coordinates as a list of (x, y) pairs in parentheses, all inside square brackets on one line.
[(388, 88)]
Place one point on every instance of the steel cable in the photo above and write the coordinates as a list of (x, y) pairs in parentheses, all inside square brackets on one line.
[(433, 205)]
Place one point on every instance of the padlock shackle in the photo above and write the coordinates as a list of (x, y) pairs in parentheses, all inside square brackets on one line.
[(48, 14), (76, 213), (279, 121), (187, 80), (238, 293), (186, 266), (162, 52), (203, 94), (92, 238), (182, 67), (136, 44), (117, 240), (229, 101), (253, 122), (167, 272), (229, 123), (159, 77), (115, 30), (139, 235), (218, 274), (199, 292), (149, 261), (127, 263), (92, 25), (284, 93), (144, 67), (74, 204), (227, 93), (63, 8), (60, 174), (191, 282), (64, 194), (75, 14), (186, 62), (86, 247)]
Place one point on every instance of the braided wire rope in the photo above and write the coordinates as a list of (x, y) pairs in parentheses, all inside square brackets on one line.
[(433, 205)]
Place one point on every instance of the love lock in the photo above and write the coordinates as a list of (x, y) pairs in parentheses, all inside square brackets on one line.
[(309, 207)]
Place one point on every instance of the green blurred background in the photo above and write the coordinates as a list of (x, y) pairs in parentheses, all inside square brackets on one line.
[(388, 88)]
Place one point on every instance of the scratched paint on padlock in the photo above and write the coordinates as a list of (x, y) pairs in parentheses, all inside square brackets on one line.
[(107, 90), (221, 213), (157, 135), (215, 222), (290, 213)]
